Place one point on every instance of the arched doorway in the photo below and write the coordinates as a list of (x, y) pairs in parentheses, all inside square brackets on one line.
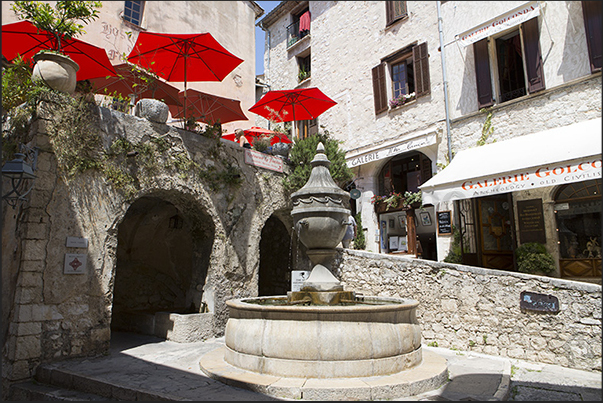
[(578, 217), (275, 271), (162, 262)]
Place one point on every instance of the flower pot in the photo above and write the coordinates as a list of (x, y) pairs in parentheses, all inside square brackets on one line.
[(280, 150), (55, 70)]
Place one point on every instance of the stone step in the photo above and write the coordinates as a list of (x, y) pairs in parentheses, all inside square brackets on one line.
[(34, 391), (54, 376)]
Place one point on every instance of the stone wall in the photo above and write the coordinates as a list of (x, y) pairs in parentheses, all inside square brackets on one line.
[(475, 309), (53, 314)]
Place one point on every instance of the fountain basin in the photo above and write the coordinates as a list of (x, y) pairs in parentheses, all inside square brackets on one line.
[(370, 337)]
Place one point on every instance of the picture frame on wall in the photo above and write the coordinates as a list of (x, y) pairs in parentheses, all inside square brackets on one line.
[(425, 218)]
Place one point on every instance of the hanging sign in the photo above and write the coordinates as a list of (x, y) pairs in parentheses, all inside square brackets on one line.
[(263, 160), (392, 150), (499, 24), (444, 222)]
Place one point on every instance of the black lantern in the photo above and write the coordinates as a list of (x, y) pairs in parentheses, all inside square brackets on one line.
[(21, 176)]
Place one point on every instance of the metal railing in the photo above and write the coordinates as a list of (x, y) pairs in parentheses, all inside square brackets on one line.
[(293, 34)]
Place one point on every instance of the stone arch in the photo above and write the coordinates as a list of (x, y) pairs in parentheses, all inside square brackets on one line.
[(164, 244), (274, 275)]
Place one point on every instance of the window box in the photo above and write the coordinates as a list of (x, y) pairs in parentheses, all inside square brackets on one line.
[(403, 99)]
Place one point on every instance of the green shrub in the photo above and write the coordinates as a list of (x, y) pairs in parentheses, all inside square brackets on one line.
[(302, 153), (533, 258), (455, 254), (360, 240)]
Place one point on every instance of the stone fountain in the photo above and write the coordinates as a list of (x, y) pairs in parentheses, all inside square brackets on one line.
[(323, 342)]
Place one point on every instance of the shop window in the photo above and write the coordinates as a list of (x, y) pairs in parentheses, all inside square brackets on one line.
[(518, 61), (578, 214), (408, 71), (395, 11), (592, 23), (133, 12)]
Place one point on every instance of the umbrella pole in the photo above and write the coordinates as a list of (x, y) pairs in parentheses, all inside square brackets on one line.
[(185, 91)]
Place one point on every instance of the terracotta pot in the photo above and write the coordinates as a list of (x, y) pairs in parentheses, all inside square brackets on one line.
[(55, 70)]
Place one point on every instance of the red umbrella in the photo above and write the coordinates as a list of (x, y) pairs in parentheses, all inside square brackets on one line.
[(292, 105), (183, 57), (275, 137), (23, 38), (131, 79), (210, 109)]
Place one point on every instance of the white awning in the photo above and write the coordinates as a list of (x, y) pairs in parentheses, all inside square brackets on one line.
[(548, 158), (508, 20)]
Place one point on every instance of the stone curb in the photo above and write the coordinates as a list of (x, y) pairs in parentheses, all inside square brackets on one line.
[(430, 375)]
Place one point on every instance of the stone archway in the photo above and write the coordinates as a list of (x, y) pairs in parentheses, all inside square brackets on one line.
[(275, 253), (163, 251)]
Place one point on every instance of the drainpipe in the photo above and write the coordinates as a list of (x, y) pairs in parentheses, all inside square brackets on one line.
[(268, 64), (445, 82)]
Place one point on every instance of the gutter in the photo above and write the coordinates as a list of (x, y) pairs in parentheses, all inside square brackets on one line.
[(445, 82)]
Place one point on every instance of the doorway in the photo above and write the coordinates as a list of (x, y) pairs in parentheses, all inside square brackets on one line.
[(275, 271), (497, 239)]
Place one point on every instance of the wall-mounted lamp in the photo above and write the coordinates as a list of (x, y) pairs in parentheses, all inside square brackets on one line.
[(21, 175)]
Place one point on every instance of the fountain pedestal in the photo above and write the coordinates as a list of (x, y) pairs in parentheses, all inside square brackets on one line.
[(368, 348)]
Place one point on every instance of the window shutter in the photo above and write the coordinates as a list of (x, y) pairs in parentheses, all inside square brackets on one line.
[(389, 12), (421, 69), (592, 23), (379, 90), (482, 74), (425, 169), (534, 67)]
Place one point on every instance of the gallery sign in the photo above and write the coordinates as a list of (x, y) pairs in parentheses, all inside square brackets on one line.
[(546, 175), (392, 150), (499, 24)]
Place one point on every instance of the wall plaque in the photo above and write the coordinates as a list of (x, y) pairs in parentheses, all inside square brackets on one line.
[(444, 222), (531, 221), (538, 302), (297, 279), (75, 263), (76, 242)]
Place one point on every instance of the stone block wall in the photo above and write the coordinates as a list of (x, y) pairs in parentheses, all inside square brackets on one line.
[(475, 309)]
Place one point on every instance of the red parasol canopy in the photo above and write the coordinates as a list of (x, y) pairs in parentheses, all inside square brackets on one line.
[(210, 109), (256, 132), (23, 38), (183, 57), (292, 105), (131, 79)]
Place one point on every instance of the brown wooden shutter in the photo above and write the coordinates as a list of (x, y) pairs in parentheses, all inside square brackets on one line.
[(531, 45), (421, 69), (425, 169), (482, 74), (389, 12), (592, 23), (379, 90)]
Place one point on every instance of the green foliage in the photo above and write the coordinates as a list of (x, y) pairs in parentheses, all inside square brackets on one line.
[(261, 144), (360, 240), (455, 253), (487, 128), (62, 21), (533, 258), (16, 83), (303, 153), (412, 197)]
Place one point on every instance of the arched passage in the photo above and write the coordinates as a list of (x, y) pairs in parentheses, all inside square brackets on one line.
[(162, 261), (274, 273)]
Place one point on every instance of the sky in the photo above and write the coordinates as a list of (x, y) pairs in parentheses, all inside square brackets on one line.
[(260, 36)]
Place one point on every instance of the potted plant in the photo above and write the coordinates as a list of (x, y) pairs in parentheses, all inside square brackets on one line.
[(62, 22), (533, 258)]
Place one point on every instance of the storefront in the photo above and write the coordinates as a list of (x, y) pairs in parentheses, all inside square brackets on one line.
[(543, 187)]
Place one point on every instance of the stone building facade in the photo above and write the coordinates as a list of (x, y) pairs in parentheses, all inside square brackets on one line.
[(496, 71), (231, 23)]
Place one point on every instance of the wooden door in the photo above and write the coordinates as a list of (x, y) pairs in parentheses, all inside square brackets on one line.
[(496, 232)]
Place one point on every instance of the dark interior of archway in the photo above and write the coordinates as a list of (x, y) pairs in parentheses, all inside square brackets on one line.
[(274, 276), (160, 265)]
